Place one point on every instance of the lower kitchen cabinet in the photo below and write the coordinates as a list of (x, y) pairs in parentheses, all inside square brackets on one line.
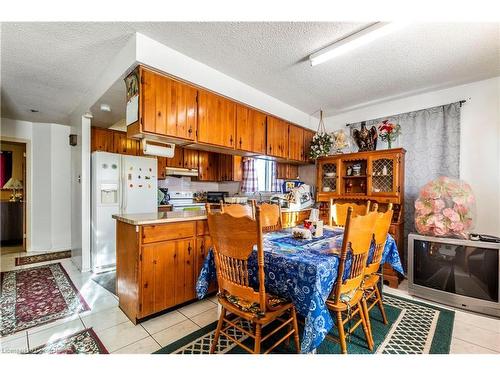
[(157, 268)]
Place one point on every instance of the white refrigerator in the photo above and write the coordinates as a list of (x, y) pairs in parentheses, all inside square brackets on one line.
[(121, 184)]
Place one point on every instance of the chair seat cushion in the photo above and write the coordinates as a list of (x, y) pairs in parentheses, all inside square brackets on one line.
[(345, 300), (370, 281), (273, 303)]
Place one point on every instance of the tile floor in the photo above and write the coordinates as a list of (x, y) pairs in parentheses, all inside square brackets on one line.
[(472, 333)]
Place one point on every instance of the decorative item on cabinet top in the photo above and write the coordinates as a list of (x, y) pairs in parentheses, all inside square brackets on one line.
[(365, 139), (322, 141)]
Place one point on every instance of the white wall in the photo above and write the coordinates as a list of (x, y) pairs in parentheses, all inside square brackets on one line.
[(479, 139), (48, 172)]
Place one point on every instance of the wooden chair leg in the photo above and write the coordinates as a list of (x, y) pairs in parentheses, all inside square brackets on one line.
[(258, 334), (380, 304), (362, 315), (217, 331), (340, 327), (296, 330), (367, 319)]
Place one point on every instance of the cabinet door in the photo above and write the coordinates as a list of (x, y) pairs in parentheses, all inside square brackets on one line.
[(178, 160), (190, 159), (250, 130), (184, 285), (119, 143), (208, 166), (101, 140), (383, 175), (164, 274), (328, 178), (203, 244), (162, 163), (216, 120), (277, 137), (147, 287), (308, 136), (295, 143), (168, 107)]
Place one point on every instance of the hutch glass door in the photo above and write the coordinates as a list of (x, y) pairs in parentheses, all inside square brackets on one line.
[(383, 175)]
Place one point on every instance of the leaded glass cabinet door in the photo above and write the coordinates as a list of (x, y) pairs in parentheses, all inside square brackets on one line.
[(383, 173), (329, 177)]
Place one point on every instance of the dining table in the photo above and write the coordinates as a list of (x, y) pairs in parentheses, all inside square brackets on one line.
[(304, 271)]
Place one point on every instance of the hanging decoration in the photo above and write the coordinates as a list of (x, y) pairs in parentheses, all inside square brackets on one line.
[(322, 142)]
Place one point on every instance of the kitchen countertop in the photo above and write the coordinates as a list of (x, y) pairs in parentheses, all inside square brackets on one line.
[(161, 217)]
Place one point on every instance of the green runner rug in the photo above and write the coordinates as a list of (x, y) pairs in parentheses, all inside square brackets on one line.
[(414, 328)]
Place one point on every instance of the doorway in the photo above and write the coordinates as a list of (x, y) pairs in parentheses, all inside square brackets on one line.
[(13, 197)]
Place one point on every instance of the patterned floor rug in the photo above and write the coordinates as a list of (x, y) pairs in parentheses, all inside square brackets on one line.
[(30, 259), (83, 342), (414, 328), (36, 296)]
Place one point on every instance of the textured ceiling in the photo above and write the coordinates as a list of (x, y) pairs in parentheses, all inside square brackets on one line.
[(50, 66)]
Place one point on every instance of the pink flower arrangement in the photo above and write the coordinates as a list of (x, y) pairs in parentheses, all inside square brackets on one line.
[(445, 207)]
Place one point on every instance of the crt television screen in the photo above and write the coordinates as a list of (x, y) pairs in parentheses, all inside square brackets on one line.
[(465, 270)]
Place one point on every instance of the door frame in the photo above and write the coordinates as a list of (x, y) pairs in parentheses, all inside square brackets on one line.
[(27, 192)]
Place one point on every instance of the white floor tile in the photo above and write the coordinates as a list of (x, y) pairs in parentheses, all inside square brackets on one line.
[(144, 346), (16, 345), (162, 322), (54, 333), (55, 323), (197, 308), (475, 335), (463, 347), (121, 335), (477, 320), (206, 317), (103, 319), (175, 332)]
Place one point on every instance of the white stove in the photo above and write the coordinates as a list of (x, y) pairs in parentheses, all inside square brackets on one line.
[(184, 201)]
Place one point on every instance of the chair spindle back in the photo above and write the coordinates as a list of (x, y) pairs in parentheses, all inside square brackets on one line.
[(338, 212), (237, 210), (380, 236)]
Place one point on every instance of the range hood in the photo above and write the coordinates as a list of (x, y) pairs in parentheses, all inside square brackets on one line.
[(173, 171)]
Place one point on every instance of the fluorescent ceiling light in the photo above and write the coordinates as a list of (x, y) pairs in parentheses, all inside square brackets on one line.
[(354, 41)]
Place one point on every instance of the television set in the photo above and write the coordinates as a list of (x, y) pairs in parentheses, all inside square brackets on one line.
[(455, 272)]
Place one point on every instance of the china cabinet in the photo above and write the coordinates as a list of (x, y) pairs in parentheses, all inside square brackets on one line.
[(377, 176)]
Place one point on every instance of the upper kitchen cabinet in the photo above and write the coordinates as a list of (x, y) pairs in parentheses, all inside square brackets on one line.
[(308, 136), (190, 159), (177, 160), (230, 168), (216, 120), (101, 140), (295, 143), (277, 137), (124, 145), (250, 130), (208, 166), (167, 108)]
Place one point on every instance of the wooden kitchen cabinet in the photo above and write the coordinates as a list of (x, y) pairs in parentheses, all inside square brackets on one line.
[(168, 107), (295, 143), (123, 145), (208, 166), (250, 130), (216, 120), (287, 171), (308, 137), (230, 168), (101, 139), (277, 137), (203, 244), (190, 159), (178, 160), (162, 164)]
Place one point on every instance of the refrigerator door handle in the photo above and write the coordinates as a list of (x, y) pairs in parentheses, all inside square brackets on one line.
[(124, 194)]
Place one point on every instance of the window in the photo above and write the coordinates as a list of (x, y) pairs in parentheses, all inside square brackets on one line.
[(264, 170)]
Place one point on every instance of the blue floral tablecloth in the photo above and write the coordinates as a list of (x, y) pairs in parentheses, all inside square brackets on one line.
[(303, 271)]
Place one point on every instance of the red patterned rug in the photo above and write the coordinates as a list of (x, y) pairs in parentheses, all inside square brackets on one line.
[(83, 342), (36, 296), (30, 259)]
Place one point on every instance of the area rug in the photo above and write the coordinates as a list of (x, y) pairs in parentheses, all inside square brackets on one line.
[(107, 280), (83, 342), (414, 328), (36, 296), (30, 259)]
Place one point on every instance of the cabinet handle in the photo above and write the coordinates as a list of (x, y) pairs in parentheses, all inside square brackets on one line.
[(190, 130), (231, 140), (145, 285), (240, 142), (189, 249), (159, 113)]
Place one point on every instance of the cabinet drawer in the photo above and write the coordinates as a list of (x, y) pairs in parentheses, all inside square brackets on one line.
[(163, 232), (202, 227)]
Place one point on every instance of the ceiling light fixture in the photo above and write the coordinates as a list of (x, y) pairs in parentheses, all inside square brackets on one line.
[(105, 108), (353, 41)]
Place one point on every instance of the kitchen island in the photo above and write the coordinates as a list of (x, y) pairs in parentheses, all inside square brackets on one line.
[(158, 258)]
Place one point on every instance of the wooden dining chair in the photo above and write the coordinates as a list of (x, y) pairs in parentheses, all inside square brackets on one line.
[(237, 209), (270, 216), (372, 276), (338, 212), (233, 240), (347, 297)]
